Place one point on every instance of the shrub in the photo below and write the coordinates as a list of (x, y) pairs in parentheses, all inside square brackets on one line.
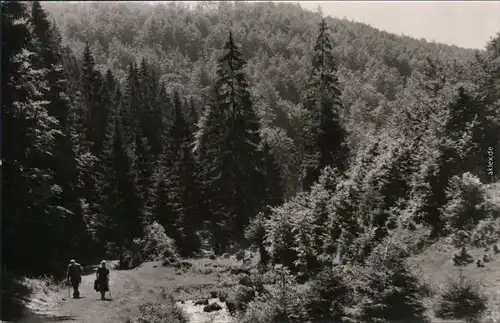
[(255, 233), (462, 258), (460, 238), (242, 295), (386, 291), (280, 241), (260, 311), (156, 243), (487, 232), (159, 312), (329, 295), (466, 204), (461, 299)]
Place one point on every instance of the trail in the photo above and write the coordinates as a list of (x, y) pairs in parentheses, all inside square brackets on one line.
[(125, 289), (129, 289)]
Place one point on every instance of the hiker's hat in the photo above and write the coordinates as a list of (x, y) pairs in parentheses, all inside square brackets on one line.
[(72, 261), (103, 262)]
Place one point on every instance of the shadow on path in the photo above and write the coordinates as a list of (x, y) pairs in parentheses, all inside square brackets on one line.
[(31, 317), (46, 318), (13, 295)]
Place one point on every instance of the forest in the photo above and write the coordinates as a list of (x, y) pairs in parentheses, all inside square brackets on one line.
[(135, 131)]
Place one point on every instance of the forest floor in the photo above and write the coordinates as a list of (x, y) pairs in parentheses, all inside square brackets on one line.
[(132, 288)]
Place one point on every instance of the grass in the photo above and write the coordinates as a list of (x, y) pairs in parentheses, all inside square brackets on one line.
[(159, 285), (21, 295), (434, 266)]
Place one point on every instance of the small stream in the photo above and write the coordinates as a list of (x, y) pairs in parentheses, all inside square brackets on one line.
[(197, 315)]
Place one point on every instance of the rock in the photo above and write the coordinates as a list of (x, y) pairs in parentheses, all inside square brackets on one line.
[(245, 281), (213, 294), (170, 261), (201, 302), (240, 255), (212, 257), (186, 264), (231, 307), (212, 308), (486, 258), (238, 271), (226, 256), (183, 265), (155, 266), (479, 263), (495, 249)]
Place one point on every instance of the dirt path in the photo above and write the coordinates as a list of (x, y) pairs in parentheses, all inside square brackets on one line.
[(130, 289), (126, 292)]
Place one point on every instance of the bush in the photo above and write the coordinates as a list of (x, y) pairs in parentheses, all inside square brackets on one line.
[(156, 243), (280, 240), (159, 312), (487, 232), (255, 232), (466, 204), (461, 299), (241, 297), (329, 295), (386, 291), (260, 311), (462, 258), (460, 238)]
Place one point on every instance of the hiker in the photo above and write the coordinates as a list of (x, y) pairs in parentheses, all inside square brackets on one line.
[(74, 275), (102, 279)]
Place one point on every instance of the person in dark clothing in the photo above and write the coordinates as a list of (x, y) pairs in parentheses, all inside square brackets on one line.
[(74, 275), (103, 279)]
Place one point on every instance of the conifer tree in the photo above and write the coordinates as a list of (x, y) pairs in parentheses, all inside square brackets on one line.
[(325, 142), (64, 160), (122, 209), (274, 189), (235, 165), (28, 209), (183, 181)]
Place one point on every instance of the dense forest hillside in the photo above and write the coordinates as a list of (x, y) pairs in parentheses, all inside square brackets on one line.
[(161, 131), (182, 44)]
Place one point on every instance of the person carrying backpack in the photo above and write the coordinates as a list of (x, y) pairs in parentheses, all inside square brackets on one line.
[(74, 275), (102, 281)]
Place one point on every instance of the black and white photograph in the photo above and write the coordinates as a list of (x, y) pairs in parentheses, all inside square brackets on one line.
[(250, 161)]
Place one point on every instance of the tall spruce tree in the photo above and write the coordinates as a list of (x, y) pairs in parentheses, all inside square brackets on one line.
[(183, 182), (122, 209), (231, 154), (325, 142), (64, 160), (28, 211)]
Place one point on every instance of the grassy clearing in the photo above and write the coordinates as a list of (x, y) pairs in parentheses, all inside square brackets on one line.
[(434, 266), (192, 279)]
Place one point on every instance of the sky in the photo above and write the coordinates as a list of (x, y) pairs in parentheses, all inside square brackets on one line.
[(468, 24)]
